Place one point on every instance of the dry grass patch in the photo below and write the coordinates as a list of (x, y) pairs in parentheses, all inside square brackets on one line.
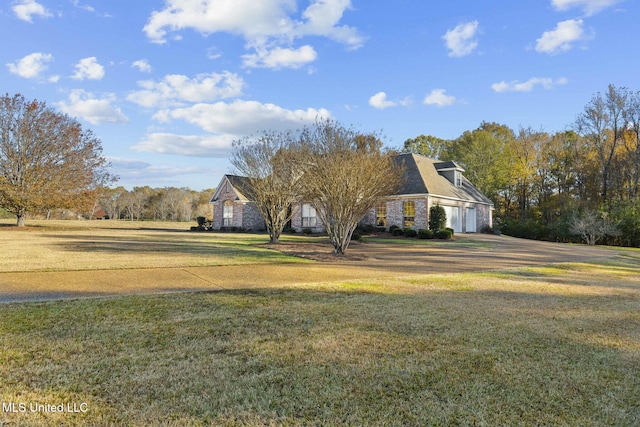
[(555, 346), (106, 245)]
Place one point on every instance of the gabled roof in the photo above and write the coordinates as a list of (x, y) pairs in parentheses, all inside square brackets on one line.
[(239, 185), (421, 176)]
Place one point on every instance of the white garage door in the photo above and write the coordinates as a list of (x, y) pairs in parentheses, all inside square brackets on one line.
[(471, 220), (453, 218)]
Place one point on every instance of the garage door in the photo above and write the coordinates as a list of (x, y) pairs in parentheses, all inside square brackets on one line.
[(470, 220), (453, 218)]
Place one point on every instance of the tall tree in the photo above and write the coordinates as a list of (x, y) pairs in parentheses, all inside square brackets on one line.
[(273, 180), (602, 123), (427, 145), (485, 154), (344, 175), (46, 159)]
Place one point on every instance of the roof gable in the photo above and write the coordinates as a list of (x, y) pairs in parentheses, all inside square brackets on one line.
[(422, 175), (238, 185)]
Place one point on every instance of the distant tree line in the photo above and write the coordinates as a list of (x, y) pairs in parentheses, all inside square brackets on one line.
[(157, 204), (544, 185)]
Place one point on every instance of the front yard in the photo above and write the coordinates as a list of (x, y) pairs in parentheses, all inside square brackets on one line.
[(512, 344)]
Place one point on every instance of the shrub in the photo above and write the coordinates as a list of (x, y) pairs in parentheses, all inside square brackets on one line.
[(444, 234), (392, 228), (289, 230), (437, 218), (366, 229), (397, 231), (356, 236), (487, 229), (201, 220), (307, 231), (425, 234), (451, 230), (409, 232)]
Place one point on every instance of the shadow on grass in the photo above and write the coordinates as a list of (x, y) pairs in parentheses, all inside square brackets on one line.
[(162, 245), (328, 357)]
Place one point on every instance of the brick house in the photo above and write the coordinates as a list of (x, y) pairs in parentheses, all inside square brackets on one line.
[(232, 209), (427, 182)]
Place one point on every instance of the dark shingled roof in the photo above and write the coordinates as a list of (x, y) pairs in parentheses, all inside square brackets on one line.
[(421, 177), (240, 185)]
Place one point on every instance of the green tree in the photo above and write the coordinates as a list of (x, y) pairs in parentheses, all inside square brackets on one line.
[(485, 155), (46, 159), (426, 145), (437, 218)]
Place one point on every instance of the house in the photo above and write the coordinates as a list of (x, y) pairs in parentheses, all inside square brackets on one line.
[(426, 182), (232, 209)]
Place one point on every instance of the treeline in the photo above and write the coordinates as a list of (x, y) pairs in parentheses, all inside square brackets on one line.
[(542, 184), (158, 204)]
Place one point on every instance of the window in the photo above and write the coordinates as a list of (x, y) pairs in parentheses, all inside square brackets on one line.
[(308, 216), (381, 215), (409, 210), (227, 214), (458, 178)]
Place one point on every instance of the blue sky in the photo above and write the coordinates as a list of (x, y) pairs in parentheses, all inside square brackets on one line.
[(167, 85)]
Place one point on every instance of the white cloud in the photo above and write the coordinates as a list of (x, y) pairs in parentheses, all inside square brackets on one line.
[(280, 57), (31, 66), (439, 98), (529, 85), (589, 7), (94, 110), (187, 145), (174, 89), (142, 65), (265, 25), (322, 19), (85, 7), (26, 9), (461, 41), (562, 38), (88, 68), (243, 117), (380, 101)]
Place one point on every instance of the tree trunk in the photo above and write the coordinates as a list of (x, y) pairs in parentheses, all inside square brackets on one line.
[(20, 220)]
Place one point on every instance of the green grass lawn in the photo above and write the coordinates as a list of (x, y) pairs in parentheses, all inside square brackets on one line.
[(535, 346)]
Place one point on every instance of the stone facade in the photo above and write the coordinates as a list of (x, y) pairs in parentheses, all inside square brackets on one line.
[(427, 182), (244, 214), (296, 220), (395, 213)]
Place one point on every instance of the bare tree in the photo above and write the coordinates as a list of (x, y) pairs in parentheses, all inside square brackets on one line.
[(273, 179), (46, 159), (345, 174), (592, 227)]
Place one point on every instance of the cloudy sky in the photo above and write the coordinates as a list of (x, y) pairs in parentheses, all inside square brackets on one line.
[(167, 85)]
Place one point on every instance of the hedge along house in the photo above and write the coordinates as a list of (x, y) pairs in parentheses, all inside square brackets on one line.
[(428, 182)]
